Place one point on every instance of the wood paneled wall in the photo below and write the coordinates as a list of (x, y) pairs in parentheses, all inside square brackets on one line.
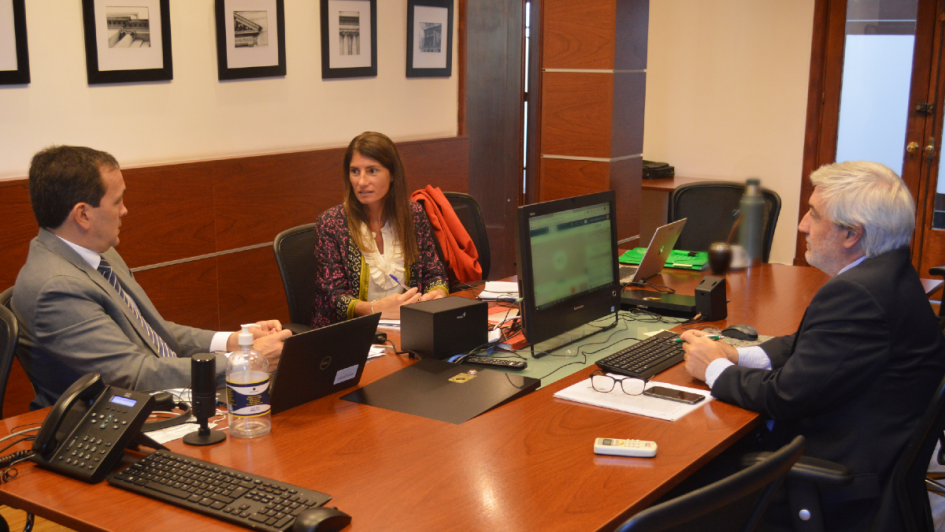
[(204, 214), (593, 87), (494, 94)]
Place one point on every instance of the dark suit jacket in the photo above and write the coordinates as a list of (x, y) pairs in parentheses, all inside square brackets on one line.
[(73, 322), (856, 376)]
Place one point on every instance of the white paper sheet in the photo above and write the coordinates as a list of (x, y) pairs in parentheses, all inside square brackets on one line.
[(377, 350), (643, 405), (499, 291)]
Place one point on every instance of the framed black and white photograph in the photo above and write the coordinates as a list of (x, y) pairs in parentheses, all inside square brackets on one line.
[(250, 38), (127, 40), (349, 38), (429, 38), (14, 55)]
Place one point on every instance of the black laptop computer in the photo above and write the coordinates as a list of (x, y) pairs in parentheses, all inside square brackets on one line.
[(322, 361)]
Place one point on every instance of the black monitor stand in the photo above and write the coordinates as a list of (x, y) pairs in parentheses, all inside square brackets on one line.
[(574, 337)]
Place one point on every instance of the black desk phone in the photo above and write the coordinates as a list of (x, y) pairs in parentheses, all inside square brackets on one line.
[(86, 432)]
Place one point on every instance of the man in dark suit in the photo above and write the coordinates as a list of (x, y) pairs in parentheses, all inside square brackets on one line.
[(78, 305), (868, 354)]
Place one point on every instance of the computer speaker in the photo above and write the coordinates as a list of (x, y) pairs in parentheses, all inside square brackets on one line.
[(441, 328), (710, 298)]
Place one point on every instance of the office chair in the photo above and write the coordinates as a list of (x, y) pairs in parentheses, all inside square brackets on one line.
[(733, 503), (933, 477), (9, 333), (904, 503), (939, 271), (295, 255), (711, 208), (8, 338)]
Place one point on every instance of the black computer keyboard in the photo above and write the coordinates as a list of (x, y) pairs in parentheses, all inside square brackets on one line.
[(646, 358), (228, 494)]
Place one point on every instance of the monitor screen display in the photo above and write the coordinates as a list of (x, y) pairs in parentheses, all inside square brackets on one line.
[(571, 253)]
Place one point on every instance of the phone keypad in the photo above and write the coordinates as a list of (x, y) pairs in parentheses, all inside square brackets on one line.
[(86, 451)]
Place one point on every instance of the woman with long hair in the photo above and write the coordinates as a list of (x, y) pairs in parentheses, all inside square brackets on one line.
[(375, 251)]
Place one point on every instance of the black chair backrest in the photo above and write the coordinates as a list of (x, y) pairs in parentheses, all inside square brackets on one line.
[(733, 503), (468, 211), (470, 215), (8, 338), (295, 254), (709, 206), (905, 494)]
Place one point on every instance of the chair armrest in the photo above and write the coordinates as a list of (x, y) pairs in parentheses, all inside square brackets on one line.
[(938, 270), (296, 328), (940, 456), (822, 472)]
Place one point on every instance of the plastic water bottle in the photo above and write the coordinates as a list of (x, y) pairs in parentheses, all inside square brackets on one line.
[(247, 389), (752, 207)]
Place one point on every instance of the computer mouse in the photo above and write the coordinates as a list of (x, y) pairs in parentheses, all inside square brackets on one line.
[(321, 519), (741, 332)]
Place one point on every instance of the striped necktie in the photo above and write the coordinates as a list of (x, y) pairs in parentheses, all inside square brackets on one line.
[(106, 270)]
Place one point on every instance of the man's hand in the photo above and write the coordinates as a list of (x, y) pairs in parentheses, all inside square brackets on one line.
[(270, 346), (265, 328), (262, 329), (433, 294), (701, 351)]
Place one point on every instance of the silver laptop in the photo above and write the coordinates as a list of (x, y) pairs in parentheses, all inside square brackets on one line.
[(322, 361), (661, 245)]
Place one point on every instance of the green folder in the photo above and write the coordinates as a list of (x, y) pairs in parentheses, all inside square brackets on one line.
[(679, 259)]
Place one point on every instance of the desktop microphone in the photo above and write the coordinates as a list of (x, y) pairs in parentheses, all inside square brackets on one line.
[(203, 393)]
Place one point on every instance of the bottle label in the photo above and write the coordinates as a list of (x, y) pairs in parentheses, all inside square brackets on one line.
[(248, 399)]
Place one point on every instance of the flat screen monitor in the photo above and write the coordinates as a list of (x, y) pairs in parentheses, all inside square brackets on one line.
[(567, 263)]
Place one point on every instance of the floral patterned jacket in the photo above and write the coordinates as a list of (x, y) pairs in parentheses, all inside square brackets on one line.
[(343, 273)]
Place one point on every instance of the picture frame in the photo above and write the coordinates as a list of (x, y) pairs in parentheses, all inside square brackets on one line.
[(428, 55), (127, 41), (250, 38), (14, 54), (344, 36)]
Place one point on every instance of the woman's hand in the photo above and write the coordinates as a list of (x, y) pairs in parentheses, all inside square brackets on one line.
[(389, 306), (433, 294)]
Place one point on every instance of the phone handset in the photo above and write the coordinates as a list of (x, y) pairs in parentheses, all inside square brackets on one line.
[(86, 389)]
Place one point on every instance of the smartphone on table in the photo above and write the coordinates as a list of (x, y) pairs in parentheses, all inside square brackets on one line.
[(673, 394)]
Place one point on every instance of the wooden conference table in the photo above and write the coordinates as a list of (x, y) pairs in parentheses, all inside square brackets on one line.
[(527, 465)]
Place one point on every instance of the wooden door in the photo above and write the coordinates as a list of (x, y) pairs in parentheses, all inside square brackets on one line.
[(925, 148), (836, 26)]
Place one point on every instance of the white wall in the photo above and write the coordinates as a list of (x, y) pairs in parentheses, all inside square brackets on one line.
[(726, 95), (195, 116)]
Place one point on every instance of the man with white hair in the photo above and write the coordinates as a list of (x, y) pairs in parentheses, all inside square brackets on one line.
[(868, 354)]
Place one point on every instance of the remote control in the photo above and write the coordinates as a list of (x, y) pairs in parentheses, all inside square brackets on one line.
[(507, 363), (641, 448)]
